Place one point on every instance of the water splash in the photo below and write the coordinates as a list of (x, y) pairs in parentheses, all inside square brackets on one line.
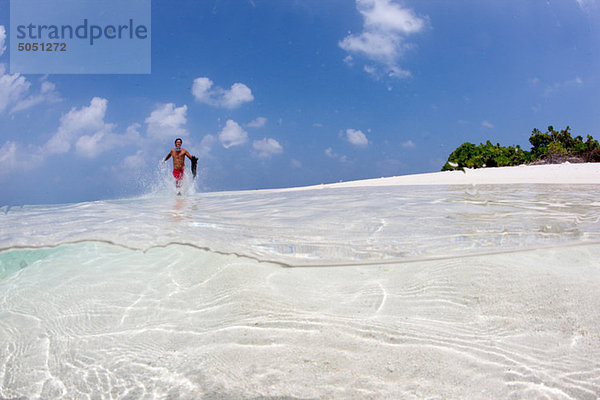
[(160, 182)]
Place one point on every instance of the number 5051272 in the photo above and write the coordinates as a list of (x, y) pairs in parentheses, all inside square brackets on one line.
[(55, 46)]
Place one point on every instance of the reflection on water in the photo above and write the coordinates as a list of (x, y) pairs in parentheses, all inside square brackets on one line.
[(179, 210)]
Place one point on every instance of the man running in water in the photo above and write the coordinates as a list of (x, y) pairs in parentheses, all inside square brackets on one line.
[(178, 155)]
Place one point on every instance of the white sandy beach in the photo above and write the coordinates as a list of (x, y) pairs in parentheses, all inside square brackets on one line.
[(462, 288), (585, 173)]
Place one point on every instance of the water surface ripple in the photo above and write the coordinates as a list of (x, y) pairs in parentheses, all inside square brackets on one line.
[(453, 292), (326, 226)]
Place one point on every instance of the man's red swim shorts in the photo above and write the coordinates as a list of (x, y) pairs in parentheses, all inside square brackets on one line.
[(178, 174)]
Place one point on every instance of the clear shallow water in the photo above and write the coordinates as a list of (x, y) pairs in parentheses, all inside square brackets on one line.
[(326, 226), (163, 297)]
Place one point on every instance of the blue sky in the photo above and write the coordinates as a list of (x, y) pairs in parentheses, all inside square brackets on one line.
[(280, 93)]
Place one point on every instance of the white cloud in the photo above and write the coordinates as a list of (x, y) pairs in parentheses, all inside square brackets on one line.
[(267, 147), (201, 89), (2, 39), (550, 89), (204, 92), (8, 157), (86, 130), (14, 157), (295, 163), (206, 145), (356, 137), (232, 135), (331, 154), (237, 95), (92, 145), (375, 45), (383, 39), (373, 71), (12, 88), (409, 144), (390, 17), (257, 123), (14, 92), (397, 72), (487, 124), (587, 5), (132, 132), (86, 121), (136, 165), (134, 162), (86, 118), (167, 122), (82, 128), (391, 71), (47, 94)]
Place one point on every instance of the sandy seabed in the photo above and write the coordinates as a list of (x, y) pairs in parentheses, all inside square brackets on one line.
[(91, 318)]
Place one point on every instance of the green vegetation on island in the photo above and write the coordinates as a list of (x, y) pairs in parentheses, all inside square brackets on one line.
[(547, 148)]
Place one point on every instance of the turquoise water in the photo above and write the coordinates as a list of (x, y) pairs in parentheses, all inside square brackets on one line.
[(390, 292)]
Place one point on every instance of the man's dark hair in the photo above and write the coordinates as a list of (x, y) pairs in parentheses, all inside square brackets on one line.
[(178, 139)]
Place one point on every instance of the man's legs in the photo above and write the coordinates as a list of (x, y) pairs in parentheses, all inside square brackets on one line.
[(178, 174)]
